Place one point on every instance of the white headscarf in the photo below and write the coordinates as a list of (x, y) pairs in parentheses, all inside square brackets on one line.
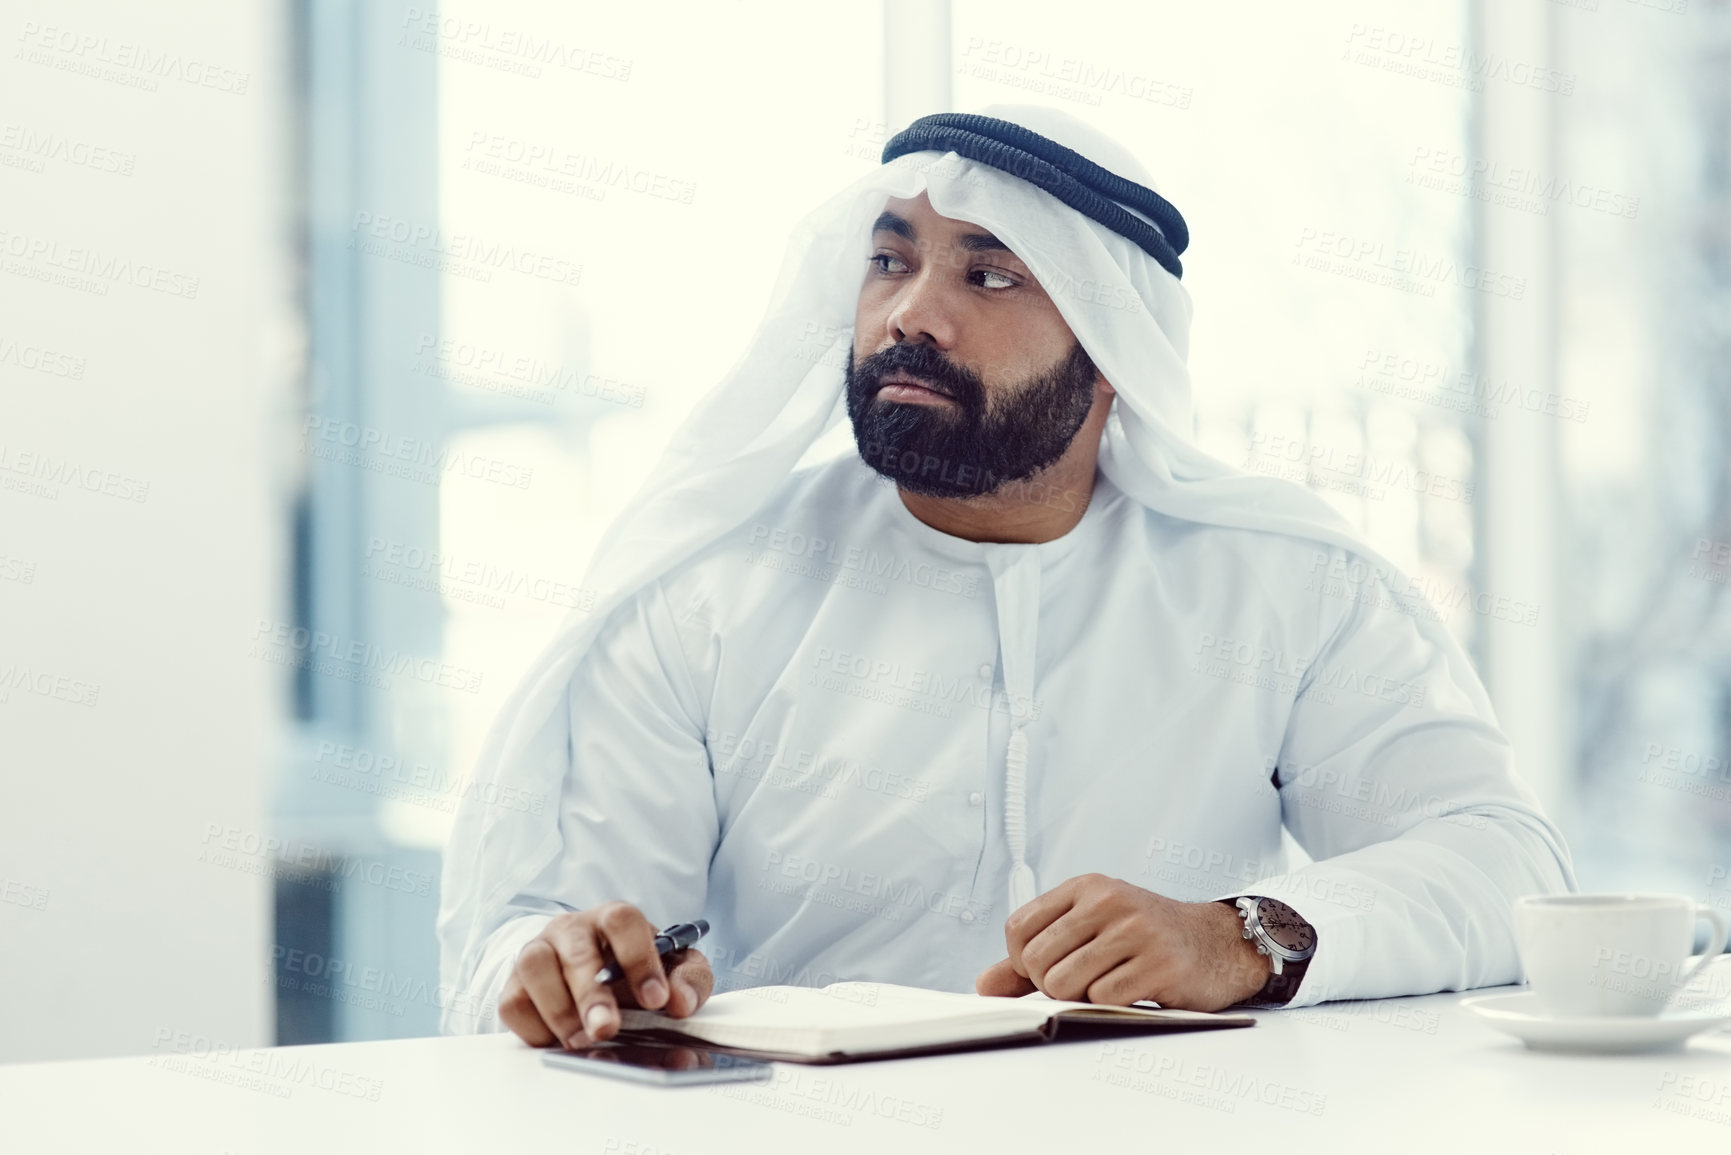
[(746, 436)]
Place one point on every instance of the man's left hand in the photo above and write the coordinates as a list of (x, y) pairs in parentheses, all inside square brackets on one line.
[(1101, 940)]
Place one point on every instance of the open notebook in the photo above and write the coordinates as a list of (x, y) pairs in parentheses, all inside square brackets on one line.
[(848, 1021)]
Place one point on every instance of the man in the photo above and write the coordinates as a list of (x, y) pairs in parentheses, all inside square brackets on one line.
[(1018, 693)]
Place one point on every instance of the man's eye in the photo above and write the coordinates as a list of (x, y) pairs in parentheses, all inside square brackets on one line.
[(881, 260), (992, 279)]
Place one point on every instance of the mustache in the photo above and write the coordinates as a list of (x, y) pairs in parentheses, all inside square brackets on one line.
[(927, 364)]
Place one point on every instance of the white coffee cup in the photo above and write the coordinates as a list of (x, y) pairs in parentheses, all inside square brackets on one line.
[(1597, 955)]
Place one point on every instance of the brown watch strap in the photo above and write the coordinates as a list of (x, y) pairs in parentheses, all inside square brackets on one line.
[(1280, 988)]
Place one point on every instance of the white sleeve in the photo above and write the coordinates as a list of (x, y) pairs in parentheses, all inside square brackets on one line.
[(637, 813), (1408, 800)]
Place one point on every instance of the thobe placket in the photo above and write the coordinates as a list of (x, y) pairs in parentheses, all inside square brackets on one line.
[(1016, 588)]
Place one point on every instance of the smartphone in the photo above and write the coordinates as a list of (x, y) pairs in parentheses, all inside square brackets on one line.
[(667, 1066)]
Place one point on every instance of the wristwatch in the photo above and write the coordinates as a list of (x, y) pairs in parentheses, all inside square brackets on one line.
[(1280, 933), (1277, 931)]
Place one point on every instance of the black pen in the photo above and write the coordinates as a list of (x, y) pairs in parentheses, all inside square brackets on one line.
[(676, 937)]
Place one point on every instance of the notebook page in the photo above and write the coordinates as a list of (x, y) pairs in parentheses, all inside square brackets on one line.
[(1142, 1009), (1055, 1005), (845, 1016)]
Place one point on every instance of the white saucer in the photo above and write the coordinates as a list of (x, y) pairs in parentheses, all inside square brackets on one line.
[(1520, 1015)]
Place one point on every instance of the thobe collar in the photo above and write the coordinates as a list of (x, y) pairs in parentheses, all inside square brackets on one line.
[(984, 552)]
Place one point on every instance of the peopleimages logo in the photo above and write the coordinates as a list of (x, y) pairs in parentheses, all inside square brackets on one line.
[(36, 147), (89, 269), (390, 776), (136, 65), (322, 976), (1258, 664), (250, 852), (41, 475), (518, 374), (465, 578), (1166, 857), (1334, 467), (1511, 186), (819, 876), (269, 1069), (865, 561), (1423, 57), (16, 569), (1431, 381), (20, 894), (809, 771), (507, 49), (1038, 69), (1711, 561), (1371, 800), (553, 166), (1138, 1069), (1405, 269), (913, 687), (464, 254), (40, 359), (353, 660), (60, 687), (1418, 592), (412, 458)]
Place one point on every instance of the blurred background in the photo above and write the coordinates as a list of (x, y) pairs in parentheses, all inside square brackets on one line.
[(334, 332)]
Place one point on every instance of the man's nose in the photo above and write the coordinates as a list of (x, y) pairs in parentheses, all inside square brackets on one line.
[(921, 313)]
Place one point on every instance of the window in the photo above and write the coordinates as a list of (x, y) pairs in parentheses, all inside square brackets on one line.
[(532, 235)]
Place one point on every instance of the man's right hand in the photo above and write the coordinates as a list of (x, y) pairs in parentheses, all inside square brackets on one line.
[(552, 996)]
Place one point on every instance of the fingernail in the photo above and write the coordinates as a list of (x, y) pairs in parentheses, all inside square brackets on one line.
[(655, 991), (688, 991), (597, 1018)]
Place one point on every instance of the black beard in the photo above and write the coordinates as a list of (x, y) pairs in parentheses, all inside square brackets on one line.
[(968, 449)]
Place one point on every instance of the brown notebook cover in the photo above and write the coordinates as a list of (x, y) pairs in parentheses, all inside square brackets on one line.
[(1066, 1024)]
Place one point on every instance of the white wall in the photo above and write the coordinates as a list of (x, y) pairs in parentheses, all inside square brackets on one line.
[(131, 578)]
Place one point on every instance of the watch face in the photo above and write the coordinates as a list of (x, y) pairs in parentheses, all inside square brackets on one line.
[(1285, 927)]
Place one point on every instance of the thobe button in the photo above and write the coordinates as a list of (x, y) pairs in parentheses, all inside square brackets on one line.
[(976, 798), (986, 669), (967, 916)]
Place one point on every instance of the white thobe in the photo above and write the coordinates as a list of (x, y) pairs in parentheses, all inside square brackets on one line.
[(801, 735)]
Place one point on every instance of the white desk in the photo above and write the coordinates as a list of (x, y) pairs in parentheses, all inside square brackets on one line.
[(1397, 1075)]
